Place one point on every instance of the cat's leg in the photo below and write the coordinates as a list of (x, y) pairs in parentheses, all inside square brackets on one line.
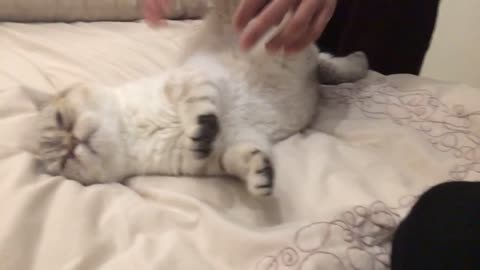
[(336, 70), (196, 98), (248, 157)]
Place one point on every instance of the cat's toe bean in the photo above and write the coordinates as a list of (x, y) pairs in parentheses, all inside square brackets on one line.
[(205, 134), (208, 128), (266, 171), (202, 149), (260, 180)]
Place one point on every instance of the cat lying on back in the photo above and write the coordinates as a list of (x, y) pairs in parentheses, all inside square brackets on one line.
[(217, 113)]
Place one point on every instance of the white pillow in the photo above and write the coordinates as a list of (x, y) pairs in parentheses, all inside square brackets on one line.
[(89, 10)]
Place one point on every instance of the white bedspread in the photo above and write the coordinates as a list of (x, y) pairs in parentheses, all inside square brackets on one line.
[(342, 187)]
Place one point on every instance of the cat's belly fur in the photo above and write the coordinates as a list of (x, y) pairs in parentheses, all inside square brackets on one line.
[(275, 98), (277, 112)]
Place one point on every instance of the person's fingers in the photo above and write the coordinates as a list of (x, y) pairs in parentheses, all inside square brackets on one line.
[(150, 8), (246, 11), (164, 7), (297, 26), (316, 29), (154, 10), (270, 16)]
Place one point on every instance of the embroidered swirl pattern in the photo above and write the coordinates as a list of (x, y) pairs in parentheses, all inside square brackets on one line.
[(367, 231)]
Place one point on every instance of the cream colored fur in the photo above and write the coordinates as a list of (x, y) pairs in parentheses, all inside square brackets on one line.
[(217, 113)]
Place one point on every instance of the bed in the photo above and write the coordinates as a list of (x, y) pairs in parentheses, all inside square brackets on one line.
[(342, 186)]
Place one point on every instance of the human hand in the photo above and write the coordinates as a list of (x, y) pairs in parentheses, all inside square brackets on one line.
[(155, 11), (310, 17)]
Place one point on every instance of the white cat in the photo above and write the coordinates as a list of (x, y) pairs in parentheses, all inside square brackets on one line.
[(217, 113)]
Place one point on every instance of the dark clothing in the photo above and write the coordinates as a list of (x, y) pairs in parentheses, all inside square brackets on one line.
[(442, 232), (395, 34)]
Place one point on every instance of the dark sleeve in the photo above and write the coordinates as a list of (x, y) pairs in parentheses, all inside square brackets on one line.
[(442, 231), (395, 34)]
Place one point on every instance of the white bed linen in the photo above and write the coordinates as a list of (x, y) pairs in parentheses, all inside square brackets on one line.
[(342, 186)]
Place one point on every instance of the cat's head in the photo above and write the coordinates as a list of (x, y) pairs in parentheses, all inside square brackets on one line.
[(79, 135)]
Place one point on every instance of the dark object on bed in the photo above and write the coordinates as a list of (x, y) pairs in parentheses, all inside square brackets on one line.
[(395, 34), (442, 232)]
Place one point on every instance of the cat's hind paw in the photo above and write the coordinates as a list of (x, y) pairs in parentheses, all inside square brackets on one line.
[(260, 176), (252, 165)]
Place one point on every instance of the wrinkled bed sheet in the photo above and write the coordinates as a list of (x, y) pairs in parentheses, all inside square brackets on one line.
[(342, 186)]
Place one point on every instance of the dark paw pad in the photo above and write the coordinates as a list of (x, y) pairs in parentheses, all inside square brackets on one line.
[(207, 132), (268, 173)]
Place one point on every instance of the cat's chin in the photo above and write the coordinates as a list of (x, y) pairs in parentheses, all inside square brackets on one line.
[(88, 165), (92, 179)]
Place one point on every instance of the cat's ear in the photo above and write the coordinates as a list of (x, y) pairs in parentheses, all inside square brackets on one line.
[(38, 98)]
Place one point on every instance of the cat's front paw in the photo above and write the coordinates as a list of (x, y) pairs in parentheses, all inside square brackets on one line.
[(196, 97), (204, 135)]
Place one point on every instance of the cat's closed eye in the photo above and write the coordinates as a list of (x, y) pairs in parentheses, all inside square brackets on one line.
[(63, 121)]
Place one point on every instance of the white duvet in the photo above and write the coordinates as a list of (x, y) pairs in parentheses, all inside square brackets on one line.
[(342, 186)]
